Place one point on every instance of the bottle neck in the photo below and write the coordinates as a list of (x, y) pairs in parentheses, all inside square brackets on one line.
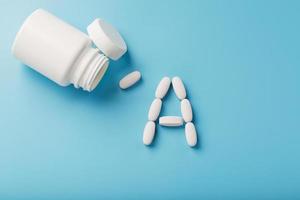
[(89, 70)]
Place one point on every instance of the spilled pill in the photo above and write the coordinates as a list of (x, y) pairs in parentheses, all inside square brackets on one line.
[(186, 110), (149, 132), (179, 88), (190, 134), (170, 121), (163, 87), (154, 109), (130, 79)]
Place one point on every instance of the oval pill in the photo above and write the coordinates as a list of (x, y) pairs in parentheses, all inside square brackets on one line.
[(190, 134), (163, 87), (170, 121), (149, 132), (186, 110), (130, 79), (179, 88), (154, 109)]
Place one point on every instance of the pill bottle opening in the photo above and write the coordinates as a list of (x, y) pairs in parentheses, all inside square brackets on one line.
[(99, 75)]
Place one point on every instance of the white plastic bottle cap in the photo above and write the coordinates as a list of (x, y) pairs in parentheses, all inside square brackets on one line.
[(107, 39)]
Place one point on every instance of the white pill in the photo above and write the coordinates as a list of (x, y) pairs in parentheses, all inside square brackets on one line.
[(149, 132), (179, 88), (130, 79), (154, 110), (190, 134), (163, 87), (186, 110), (170, 121)]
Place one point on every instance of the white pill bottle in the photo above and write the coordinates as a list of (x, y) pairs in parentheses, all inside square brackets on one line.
[(63, 53)]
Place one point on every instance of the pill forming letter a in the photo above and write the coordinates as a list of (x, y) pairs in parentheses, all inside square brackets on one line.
[(186, 111)]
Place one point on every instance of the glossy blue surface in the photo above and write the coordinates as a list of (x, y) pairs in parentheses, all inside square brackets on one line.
[(240, 62)]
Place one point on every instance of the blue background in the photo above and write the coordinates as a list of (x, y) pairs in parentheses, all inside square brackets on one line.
[(239, 60)]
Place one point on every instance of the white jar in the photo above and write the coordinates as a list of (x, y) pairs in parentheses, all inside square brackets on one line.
[(63, 53)]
